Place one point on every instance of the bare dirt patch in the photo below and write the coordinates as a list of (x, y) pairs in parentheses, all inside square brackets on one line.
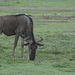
[(60, 16), (45, 17), (57, 18), (40, 8), (52, 21)]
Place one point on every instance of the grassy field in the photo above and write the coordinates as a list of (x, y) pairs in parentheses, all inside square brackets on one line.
[(37, 3), (57, 27)]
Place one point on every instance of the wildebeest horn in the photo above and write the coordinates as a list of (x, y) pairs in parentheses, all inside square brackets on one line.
[(28, 40), (40, 44), (39, 40)]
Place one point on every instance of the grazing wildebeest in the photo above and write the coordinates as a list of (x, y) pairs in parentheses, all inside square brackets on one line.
[(20, 25)]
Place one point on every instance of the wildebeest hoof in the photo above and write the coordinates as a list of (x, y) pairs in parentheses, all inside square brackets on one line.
[(13, 56), (23, 57)]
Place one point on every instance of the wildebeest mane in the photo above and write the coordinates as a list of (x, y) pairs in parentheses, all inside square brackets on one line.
[(31, 21)]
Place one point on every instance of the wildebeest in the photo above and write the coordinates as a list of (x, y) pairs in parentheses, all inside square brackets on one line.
[(20, 25)]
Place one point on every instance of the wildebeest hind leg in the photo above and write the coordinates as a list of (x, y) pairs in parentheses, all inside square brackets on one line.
[(15, 44), (22, 46)]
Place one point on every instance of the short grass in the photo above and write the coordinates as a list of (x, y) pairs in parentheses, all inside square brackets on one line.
[(37, 3), (57, 56)]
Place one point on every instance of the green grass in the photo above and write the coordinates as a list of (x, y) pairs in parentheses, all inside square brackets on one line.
[(57, 56), (37, 3)]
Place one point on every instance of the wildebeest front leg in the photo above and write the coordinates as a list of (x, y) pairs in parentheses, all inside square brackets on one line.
[(15, 44), (22, 46)]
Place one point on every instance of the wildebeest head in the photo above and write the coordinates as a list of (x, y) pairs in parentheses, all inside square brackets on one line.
[(32, 45)]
